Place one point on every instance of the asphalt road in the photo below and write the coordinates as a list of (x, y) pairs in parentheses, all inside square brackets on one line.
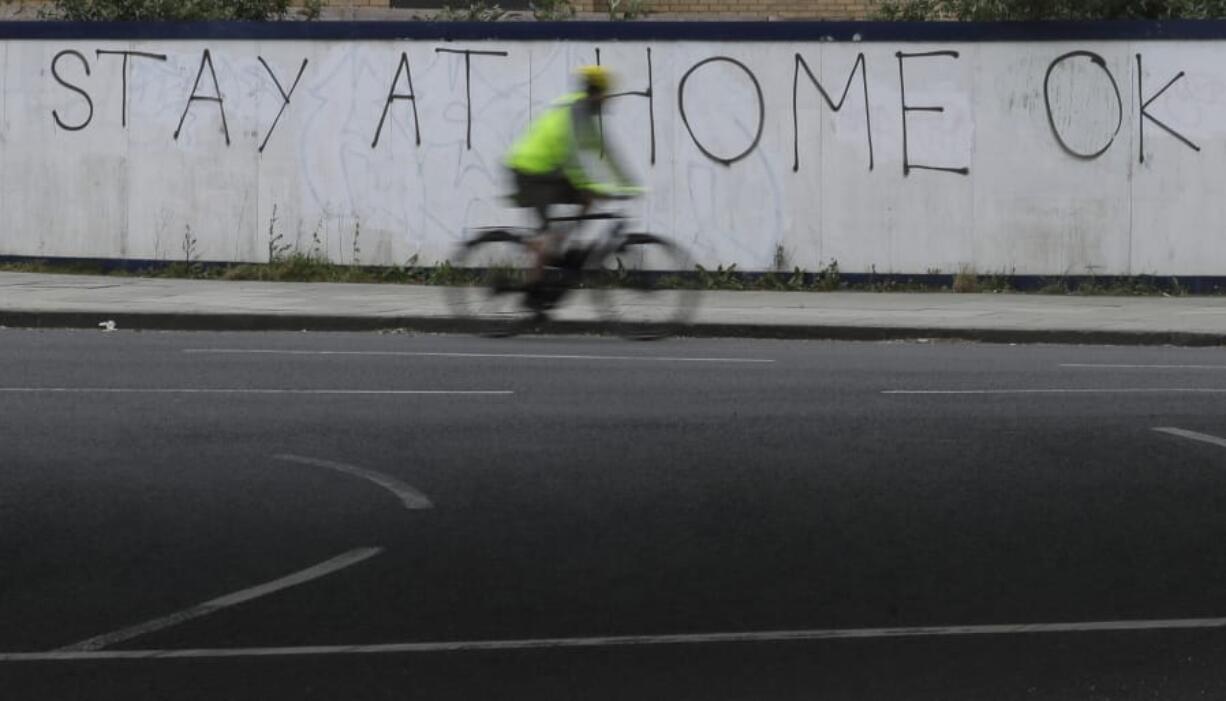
[(588, 518)]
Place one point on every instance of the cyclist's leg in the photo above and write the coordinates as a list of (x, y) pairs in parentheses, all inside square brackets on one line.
[(563, 192), (543, 192), (542, 244), (569, 194), (534, 190)]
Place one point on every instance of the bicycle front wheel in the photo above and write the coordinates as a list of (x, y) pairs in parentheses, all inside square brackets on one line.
[(640, 290), (487, 286)]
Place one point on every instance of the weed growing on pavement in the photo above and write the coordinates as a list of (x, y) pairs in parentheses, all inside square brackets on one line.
[(1141, 286), (615, 277), (289, 265), (1058, 286), (190, 266), (276, 249), (446, 274), (892, 284), (999, 282), (793, 283), (781, 258), (966, 281), (317, 247), (829, 280), (719, 279), (877, 282)]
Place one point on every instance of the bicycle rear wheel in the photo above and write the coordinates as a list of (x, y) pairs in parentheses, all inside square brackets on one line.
[(639, 289), (491, 271)]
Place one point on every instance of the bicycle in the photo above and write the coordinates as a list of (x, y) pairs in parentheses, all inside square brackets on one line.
[(631, 278)]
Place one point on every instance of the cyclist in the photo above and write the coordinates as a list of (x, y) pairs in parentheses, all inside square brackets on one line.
[(563, 159)]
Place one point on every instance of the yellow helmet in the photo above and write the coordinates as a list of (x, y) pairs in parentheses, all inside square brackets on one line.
[(596, 78)]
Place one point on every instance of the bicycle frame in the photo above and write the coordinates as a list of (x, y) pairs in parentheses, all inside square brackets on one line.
[(567, 273), (502, 302)]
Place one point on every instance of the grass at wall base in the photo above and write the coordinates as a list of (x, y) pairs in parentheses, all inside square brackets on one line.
[(300, 266)]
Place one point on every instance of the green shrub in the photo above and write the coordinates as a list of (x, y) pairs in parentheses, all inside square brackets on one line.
[(176, 10), (475, 11), (552, 10), (628, 9), (966, 281), (988, 10)]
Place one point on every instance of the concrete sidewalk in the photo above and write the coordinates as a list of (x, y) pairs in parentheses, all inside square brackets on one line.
[(41, 300)]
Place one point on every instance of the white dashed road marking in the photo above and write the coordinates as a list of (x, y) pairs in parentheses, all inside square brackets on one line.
[(522, 356), (198, 390), (1125, 366), (629, 641), (1125, 390), (410, 497), (92, 645), (1193, 435)]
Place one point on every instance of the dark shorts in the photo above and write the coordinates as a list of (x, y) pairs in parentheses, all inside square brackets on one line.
[(539, 190)]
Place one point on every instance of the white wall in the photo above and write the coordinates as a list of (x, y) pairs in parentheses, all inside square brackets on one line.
[(1025, 206)]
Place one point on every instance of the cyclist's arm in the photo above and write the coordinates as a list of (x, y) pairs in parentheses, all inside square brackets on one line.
[(593, 165), (616, 165)]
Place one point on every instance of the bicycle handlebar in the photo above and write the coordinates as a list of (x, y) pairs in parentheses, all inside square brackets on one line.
[(589, 217)]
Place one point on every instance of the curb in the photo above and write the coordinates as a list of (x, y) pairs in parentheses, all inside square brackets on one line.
[(440, 324)]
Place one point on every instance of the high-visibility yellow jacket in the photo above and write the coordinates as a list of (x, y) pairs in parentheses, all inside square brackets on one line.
[(558, 141)]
